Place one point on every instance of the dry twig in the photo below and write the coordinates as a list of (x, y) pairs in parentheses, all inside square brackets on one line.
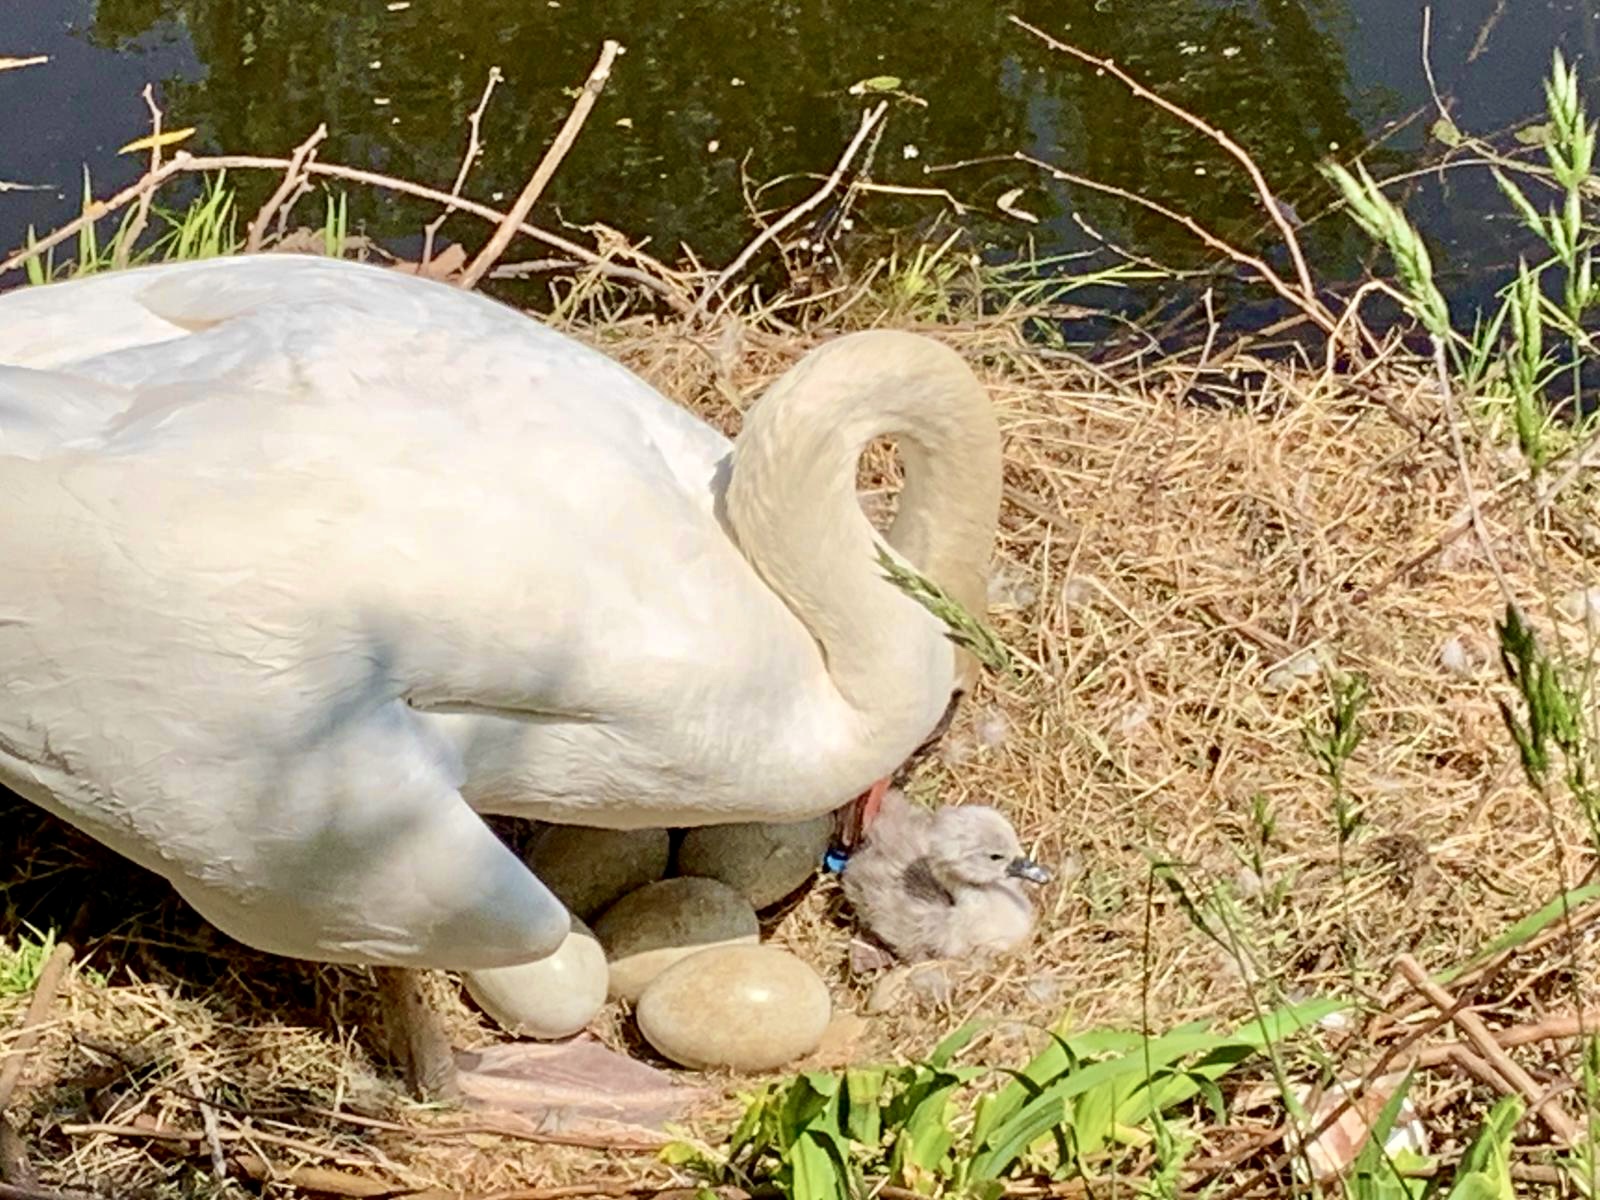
[(1513, 1078), (321, 1180), (44, 994), (14, 1191), (545, 171), (185, 163), (141, 214), (1307, 300), (1256, 263), (470, 156), (869, 122), (293, 177)]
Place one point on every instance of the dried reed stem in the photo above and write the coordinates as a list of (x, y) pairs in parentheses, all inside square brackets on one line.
[(545, 171), (19, 1191), (1464, 470), (474, 148), (292, 178), (141, 216), (869, 122), (1513, 1077), (44, 994), (1313, 310), (185, 163)]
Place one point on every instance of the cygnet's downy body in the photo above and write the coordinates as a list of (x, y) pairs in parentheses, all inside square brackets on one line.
[(942, 885)]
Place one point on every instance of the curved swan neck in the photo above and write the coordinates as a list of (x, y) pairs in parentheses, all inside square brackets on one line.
[(791, 502)]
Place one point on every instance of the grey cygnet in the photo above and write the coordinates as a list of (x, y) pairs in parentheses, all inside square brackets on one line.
[(944, 884)]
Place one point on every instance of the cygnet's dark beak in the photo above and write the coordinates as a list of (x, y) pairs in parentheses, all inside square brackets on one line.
[(1026, 868)]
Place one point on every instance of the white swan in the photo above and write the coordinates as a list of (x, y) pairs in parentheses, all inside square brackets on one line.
[(307, 564)]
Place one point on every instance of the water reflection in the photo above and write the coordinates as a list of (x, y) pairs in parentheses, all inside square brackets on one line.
[(715, 94)]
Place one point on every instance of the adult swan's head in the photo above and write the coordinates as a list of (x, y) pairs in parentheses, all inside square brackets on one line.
[(791, 504)]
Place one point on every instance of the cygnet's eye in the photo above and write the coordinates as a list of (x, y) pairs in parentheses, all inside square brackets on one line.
[(997, 858)]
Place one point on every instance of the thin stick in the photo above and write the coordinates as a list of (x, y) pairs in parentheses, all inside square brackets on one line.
[(44, 994), (1588, 456), (292, 178), (13, 1191), (1476, 1032), (1579, 1024), (209, 1126), (508, 1130), (542, 174), (185, 163), (869, 122), (1312, 308), (324, 1180), (14, 1165), (1263, 190), (199, 1140), (474, 149), (141, 216), (569, 1191)]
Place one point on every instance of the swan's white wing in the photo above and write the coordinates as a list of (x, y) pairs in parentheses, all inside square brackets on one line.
[(327, 329), (253, 752), (52, 327), (42, 411)]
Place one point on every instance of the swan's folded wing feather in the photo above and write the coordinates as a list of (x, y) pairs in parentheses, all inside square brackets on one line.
[(327, 331), (41, 411), (52, 327), (254, 753)]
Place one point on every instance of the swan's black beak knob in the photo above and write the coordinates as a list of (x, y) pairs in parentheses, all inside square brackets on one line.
[(1026, 868)]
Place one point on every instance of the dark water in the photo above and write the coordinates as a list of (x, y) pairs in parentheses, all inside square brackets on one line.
[(713, 92)]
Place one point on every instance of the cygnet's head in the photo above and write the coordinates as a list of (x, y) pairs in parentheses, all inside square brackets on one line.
[(975, 846)]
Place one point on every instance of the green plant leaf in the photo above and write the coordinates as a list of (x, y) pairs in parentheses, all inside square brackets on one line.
[(816, 1173), (1540, 134), (962, 627), (1526, 929), (876, 84), (955, 1043), (864, 1091)]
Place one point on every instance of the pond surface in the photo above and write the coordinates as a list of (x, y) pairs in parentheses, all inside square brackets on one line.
[(715, 97)]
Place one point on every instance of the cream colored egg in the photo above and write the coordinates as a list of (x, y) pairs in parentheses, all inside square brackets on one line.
[(746, 1008), (554, 997)]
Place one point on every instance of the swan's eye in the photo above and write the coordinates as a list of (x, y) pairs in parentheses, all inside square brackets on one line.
[(997, 858)]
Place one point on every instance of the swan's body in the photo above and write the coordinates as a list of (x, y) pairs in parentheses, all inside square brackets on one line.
[(308, 563), (942, 885)]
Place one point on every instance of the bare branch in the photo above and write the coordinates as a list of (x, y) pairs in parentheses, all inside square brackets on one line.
[(546, 169), (474, 149), (869, 122), (1308, 301)]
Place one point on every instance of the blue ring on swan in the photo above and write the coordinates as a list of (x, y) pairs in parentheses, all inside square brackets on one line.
[(834, 860)]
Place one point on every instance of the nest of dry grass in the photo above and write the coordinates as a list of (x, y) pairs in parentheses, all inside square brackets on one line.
[(1188, 557)]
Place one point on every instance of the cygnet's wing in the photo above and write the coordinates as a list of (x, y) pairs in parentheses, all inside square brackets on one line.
[(988, 920), (889, 894)]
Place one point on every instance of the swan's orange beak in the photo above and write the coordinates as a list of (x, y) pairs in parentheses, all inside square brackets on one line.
[(857, 816)]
